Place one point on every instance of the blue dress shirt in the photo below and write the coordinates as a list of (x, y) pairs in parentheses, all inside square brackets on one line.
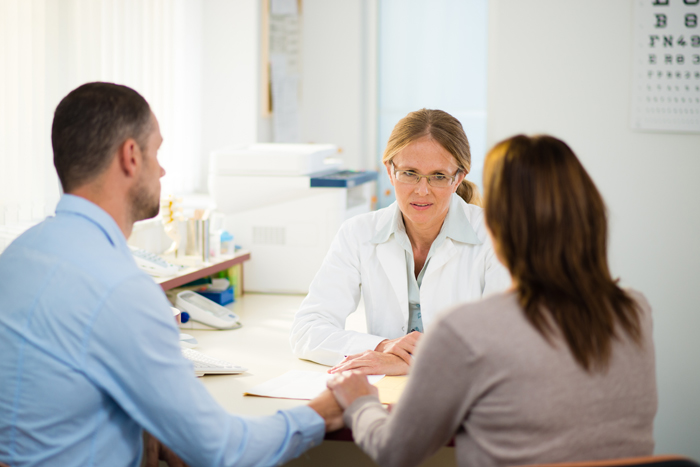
[(89, 355)]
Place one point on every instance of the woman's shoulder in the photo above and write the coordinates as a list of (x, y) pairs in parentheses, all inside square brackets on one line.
[(643, 308), (489, 313), (505, 305), (499, 316), (483, 327), (639, 298)]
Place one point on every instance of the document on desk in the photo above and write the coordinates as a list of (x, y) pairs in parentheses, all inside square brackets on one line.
[(296, 384), (391, 388)]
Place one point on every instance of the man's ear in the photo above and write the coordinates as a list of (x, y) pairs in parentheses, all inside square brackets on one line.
[(129, 156)]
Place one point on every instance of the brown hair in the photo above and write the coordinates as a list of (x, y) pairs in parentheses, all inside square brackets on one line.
[(89, 124), (549, 226), (446, 131)]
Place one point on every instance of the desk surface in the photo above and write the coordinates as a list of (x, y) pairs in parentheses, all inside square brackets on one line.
[(262, 346)]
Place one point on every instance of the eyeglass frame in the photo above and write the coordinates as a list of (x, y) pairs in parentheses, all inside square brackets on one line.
[(427, 177)]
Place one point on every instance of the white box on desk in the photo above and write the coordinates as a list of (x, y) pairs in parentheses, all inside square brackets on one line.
[(289, 239), (276, 159), (265, 192)]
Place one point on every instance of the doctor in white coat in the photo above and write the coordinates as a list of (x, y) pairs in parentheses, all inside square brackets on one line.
[(427, 251)]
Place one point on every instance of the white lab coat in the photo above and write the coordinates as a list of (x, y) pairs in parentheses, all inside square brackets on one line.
[(355, 265)]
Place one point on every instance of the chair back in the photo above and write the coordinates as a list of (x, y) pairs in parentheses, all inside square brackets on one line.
[(648, 461)]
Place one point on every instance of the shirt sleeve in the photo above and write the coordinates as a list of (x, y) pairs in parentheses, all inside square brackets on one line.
[(133, 354), (318, 332), (432, 407)]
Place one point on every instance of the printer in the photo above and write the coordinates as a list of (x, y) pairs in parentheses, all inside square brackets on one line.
[(285, 203)]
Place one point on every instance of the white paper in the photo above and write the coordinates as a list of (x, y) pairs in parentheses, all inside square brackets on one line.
[(284, 7), (285, 101), (298, 384)]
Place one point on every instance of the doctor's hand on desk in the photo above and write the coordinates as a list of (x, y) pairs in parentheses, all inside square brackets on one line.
[(372, 362), (390, 357), (402, 347), (327, 407)]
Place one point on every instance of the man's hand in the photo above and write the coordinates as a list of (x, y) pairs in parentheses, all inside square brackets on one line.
[(327, 407), (155, 451), (349, 385), (371, 362), (402, 347)]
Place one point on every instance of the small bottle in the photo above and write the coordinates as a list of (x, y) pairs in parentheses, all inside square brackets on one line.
[(215, 245), (226, 240)]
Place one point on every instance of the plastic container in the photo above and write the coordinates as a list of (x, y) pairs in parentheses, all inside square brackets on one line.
[(214, 245), (222, 297), (226, 242)]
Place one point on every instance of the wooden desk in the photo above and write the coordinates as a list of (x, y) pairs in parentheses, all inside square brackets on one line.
[(262, 346), (192, 273)]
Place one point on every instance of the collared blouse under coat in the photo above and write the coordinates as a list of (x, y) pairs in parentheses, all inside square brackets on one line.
[(366, 260)]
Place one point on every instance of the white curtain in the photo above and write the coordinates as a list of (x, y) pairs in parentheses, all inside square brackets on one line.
[(49, 47)]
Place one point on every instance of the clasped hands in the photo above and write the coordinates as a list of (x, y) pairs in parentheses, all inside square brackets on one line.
[(390, 357), (342, 391)]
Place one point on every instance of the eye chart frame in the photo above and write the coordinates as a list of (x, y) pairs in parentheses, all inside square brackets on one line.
[(666, 79)]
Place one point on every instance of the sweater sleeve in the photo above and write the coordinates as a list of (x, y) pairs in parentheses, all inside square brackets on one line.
[(436, 400)]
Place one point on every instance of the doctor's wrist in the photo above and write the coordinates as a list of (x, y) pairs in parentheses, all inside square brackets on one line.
[(381, 346)]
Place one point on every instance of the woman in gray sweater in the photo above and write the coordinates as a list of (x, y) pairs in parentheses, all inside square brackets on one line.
[(559, 368)]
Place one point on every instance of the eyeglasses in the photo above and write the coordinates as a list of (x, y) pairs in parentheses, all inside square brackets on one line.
[(412, 178)]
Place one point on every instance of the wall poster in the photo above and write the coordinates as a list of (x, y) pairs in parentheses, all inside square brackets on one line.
[(666, 82)]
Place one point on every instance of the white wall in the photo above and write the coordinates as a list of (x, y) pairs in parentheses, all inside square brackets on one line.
[(230, 76), (432, 54), (565, 68), (338, 91), (338, 95)]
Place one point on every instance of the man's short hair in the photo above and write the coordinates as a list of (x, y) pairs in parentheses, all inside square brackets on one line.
[(90, 124)]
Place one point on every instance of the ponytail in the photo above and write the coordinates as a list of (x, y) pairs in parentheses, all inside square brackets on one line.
[(470, 193)]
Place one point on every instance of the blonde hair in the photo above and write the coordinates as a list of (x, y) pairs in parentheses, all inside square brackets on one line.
[(447, 132)]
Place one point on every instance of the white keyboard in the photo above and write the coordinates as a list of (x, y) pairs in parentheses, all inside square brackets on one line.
[(205, 365), (154, 264)]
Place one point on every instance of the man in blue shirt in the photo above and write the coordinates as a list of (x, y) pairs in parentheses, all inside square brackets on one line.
[(89, 348)]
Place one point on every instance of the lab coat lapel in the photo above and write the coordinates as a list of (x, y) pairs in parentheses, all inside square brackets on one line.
[(432, 300), (444, 253), (392, 258)]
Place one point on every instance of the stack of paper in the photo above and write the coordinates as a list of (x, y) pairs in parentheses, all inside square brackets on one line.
[(298, 384)]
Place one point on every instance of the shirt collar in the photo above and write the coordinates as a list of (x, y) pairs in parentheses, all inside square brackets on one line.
[(383, 234), (80, 206), (456, 225)]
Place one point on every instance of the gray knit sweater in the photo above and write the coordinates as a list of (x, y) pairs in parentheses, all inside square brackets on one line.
[(484, 375)]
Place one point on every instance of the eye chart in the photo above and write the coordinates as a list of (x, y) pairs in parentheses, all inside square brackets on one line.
[(666, 83)]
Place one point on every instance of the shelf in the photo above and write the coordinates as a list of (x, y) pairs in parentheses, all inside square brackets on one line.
[(206, 269)]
